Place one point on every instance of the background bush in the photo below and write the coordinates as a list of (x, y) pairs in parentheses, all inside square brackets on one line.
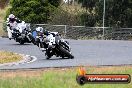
[(33, 11)]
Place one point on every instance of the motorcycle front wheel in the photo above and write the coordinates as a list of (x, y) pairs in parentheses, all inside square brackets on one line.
[(48, 53), (66, 53), (21, 42)]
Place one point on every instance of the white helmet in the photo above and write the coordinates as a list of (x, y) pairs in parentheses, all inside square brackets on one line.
[(39, 29), (11, 16)]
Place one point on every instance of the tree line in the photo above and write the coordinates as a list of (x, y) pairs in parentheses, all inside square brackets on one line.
[(118, 13)]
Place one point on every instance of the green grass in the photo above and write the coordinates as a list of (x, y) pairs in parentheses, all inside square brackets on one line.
[(2, 15), (64, 79)]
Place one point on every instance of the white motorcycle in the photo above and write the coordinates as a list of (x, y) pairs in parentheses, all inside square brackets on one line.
[(21, 33)]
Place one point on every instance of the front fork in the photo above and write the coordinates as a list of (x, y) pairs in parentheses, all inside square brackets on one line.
[(49, 53)]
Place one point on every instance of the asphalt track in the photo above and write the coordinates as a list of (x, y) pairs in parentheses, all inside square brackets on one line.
[(86, 52)]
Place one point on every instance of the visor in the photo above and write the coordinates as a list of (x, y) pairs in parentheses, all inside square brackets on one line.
[(11, 20)]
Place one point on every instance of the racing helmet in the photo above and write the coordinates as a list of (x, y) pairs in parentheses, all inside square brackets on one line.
[(11, 18), (39, 29)]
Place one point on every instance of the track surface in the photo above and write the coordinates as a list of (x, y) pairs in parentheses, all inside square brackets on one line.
[(86, 52)]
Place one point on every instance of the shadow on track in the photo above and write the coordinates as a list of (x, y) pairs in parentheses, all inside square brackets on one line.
[(21, 44), (52, 59)]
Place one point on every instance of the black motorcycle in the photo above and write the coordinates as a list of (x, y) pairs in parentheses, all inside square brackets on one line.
[(54, 45)]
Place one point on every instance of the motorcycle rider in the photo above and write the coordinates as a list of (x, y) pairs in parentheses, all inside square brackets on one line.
[(41, 39), (11, 24), (47, 41), (40, 32)]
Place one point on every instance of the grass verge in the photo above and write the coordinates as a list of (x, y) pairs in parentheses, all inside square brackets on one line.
[(2, 15), (59, 78), (6, 57)]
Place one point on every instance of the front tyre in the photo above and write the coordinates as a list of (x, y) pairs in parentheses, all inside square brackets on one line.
[(47, 57), (21, 42), (66, 53), (48, 53), (32, 39)]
